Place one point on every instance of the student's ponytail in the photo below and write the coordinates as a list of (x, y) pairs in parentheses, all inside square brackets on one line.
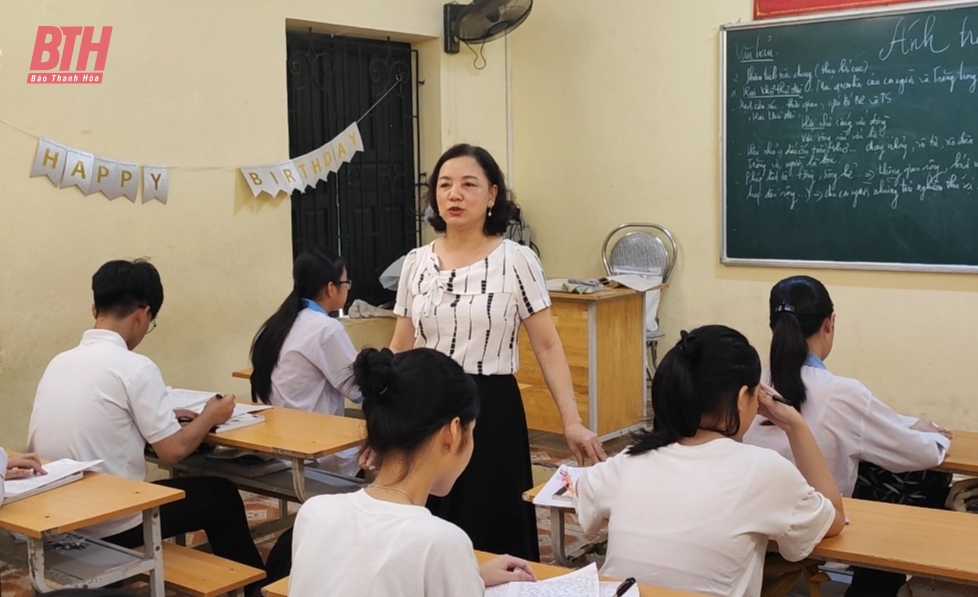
[(799, 306), (311, 272), (701, 375)]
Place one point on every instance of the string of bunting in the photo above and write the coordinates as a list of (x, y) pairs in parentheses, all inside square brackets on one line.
[(68, 167)]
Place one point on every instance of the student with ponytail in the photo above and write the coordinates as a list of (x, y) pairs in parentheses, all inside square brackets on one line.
[(688, 505), (420, 410), (873, 452), (301, 357)]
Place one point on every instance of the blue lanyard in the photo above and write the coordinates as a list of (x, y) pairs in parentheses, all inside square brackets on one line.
[(813, 361), (310, 304)]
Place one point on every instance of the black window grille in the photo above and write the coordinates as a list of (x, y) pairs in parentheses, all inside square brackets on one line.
[(368, 211)]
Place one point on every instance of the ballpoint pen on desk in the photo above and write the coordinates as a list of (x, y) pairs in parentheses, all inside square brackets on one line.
[(623, 587)]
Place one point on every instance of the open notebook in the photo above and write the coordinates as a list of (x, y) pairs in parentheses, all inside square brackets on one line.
[(60, 472), (579, 583), (555, 493), (194, 400)]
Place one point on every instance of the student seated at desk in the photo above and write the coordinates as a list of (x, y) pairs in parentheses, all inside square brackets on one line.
[(420, 408), (302, 357), (102, 401), (872, 451), (18, 467), (691, 507)]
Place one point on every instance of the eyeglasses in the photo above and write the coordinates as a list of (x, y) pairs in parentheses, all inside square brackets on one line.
[(152, 326), (349, 284)]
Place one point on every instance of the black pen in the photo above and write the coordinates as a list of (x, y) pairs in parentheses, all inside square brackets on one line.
[(623, 587), (773, 394)]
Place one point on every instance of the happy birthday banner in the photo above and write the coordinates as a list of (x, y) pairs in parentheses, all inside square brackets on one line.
[(306, 170), (66, 167)]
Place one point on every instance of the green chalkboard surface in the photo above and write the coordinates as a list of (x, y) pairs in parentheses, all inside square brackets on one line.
[(852, 141)]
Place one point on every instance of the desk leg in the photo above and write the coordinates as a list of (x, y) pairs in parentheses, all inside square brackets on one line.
[(557, 537), (35, 558), (299, 478), (153, 542)]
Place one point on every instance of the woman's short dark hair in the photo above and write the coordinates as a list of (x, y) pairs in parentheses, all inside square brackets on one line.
[(798, 307), (701, 375), (120, 287), (312, 271), (502, 209), (408, 397)]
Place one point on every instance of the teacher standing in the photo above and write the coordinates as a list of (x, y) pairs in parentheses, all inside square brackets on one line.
[(466, 295)]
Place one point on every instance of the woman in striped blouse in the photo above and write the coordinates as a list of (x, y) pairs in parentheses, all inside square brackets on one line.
[(466, 294)]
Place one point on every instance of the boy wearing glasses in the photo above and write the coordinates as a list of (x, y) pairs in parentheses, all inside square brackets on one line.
[(101, 401)]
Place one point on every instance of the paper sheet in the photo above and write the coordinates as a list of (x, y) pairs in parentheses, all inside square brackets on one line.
[(580, 583), (57, 471), (547, 496), (194, 400)]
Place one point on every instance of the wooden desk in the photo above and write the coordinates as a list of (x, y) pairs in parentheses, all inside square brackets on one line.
[(91, 500), (297, 435), (242, 373), (280, 588), (603, 335), (922, 541), (963, 456), (908, 539)]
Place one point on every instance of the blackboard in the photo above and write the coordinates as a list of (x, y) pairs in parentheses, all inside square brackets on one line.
[(851, 140)]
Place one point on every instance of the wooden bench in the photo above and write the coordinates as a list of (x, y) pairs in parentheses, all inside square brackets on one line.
[(202, 574)]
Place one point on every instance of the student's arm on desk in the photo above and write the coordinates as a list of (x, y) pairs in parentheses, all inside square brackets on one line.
[(593, 492), (886, 440), (181, 444)]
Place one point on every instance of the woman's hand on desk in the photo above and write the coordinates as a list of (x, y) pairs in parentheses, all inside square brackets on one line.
[(25, 465), (931, 427), (504, 569), (584, 443)]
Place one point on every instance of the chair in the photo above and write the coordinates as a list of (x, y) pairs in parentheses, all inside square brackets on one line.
[(648, 250)]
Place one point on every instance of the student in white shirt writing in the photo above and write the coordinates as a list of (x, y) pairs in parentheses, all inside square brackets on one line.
[(420, 409), (102, 401), (18, 467), (872, 451), (691, 507)]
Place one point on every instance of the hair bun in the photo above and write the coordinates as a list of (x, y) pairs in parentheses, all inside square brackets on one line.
[(375, 373), (688, 345)]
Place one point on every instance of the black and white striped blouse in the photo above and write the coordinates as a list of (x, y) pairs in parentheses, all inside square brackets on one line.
[(473, 313)]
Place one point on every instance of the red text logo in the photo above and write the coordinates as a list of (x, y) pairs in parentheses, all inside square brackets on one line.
[(54, 48)]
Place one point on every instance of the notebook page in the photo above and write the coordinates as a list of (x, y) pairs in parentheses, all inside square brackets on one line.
[(580, 583), (194, 400), (57, 470)]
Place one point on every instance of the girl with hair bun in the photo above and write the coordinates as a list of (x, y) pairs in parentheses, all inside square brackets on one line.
[(688, 505), (420, 410)]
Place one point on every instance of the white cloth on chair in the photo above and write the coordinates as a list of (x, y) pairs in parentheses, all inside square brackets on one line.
[(642, 281)]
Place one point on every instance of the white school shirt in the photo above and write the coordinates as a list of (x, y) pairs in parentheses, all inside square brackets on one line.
[(849, 425), (357, 546), (3, 471), (473, 314), (315, 373), (101, 401), (698, 518)]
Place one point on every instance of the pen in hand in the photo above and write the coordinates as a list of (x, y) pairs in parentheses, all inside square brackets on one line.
[(623, 587)]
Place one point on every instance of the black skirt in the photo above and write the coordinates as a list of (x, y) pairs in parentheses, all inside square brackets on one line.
[(486, 500)]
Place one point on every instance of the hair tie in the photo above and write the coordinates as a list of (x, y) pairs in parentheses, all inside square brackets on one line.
[(785, 308), (684, 342)]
